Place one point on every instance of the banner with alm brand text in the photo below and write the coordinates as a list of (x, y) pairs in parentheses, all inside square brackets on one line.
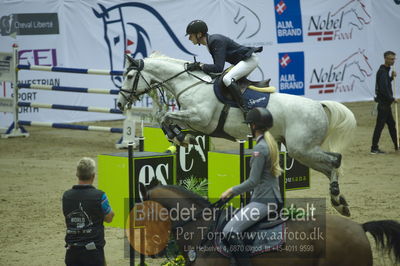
[(320, 49)]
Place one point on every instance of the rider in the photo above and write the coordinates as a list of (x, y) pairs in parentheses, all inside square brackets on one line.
[(263, 180), (224, 49)]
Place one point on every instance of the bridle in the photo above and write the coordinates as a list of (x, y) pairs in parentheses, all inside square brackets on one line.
[(138, 65)]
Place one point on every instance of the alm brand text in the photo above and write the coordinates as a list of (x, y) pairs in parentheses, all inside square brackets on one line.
[(286, 28)]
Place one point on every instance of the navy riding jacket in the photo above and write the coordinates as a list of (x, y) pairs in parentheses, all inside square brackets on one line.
[(224, 49), (383, 86)]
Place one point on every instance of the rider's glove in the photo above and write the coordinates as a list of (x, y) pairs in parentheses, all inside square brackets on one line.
[(193, 66)]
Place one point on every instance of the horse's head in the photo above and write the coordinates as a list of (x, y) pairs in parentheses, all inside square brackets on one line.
[(355, 13), (135, 83), (361, 12), (154, 72), (357, 66), (364, 63)]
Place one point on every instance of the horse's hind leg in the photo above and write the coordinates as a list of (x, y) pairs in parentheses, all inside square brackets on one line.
[(327, 163)]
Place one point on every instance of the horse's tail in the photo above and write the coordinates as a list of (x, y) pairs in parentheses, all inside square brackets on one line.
[(342, 125), (388, 230)]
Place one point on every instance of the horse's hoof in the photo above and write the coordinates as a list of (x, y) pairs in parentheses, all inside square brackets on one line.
[(191, 139), (184, 144), (345, 211), (341, 206), (343, 201)]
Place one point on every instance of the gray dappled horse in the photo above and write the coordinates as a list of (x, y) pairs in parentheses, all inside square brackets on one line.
[(302, 124)]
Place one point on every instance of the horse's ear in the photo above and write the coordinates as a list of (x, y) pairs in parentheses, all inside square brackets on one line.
[(103, 9), (154, 182), (129, 59)]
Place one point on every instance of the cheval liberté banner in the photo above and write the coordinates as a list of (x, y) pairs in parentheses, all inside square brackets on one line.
[(320, 49)]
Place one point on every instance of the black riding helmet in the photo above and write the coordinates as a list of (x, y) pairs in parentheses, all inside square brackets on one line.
[(260, 117), (196, 26)]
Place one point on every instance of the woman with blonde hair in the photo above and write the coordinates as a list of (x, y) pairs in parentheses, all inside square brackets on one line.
[(263, 181)]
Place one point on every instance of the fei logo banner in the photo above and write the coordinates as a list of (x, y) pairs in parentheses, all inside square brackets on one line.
[(288, 21), (291, 73)]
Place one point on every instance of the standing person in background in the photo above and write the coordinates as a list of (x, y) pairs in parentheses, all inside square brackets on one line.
[(384, 98), (85, 209)]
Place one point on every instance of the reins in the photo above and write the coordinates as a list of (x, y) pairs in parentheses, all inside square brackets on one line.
[(138, 65)]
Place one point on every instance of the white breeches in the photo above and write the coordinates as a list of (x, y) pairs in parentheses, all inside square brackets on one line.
[(241, 69)]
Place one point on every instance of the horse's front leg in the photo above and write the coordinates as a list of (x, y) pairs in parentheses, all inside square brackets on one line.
[(171, 120)]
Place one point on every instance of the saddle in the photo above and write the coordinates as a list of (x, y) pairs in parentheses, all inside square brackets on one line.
[(254, 93), (262, 237), (244, 83)]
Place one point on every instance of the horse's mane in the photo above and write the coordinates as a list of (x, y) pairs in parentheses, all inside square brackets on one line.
[(159, 55), (186, 194)]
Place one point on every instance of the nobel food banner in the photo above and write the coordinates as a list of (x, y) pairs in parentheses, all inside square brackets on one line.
[(320, 49)]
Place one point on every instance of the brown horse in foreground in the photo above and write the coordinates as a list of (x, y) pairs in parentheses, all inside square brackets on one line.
[(340, 242)]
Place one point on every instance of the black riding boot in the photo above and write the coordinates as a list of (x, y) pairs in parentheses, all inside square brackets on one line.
[(236, 93), (237, 247)]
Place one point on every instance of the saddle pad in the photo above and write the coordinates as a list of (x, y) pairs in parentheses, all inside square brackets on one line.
[(251, 98), (259, 242)]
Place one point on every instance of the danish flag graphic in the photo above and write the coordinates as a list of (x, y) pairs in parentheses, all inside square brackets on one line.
[(280, 7), (285, 60)]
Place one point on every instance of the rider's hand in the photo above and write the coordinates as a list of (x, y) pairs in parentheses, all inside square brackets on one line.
[(394, 74), (193, 66), (228, 193)]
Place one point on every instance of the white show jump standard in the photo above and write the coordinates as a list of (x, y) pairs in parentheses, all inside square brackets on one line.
[(16, 129)]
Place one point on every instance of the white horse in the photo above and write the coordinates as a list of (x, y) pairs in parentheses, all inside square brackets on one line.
[(302, 124)]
